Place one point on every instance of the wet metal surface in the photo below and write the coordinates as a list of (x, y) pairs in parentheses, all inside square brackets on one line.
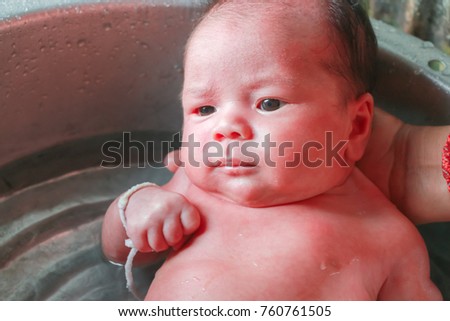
[(49, 239)]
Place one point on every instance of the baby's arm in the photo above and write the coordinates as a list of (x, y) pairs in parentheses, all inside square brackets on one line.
[(157, 218), (404, 161), (409, 277)]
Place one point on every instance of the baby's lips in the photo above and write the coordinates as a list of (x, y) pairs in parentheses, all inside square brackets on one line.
[(237, 163), (234, 162)]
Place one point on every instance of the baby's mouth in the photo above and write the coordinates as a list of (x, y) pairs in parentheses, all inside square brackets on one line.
[(235, 163)]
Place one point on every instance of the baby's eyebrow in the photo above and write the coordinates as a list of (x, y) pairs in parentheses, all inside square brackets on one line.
[(285, 81), (198, 91), (210, 92)]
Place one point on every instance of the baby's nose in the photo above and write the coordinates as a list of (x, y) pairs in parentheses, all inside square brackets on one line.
[(234, 128)]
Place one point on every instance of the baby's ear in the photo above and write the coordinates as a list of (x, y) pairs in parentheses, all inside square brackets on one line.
[(361, 113)]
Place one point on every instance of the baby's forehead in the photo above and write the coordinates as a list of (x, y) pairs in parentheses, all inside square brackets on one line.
[(291, 21), (278, 25), (287, 19)]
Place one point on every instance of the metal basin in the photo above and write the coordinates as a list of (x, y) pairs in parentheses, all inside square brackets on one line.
[(75, 77)]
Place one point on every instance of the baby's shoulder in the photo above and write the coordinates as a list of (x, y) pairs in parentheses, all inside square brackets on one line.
[(363, 208), (377, 213)]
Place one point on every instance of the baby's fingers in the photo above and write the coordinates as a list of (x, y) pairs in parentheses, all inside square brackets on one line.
[(190, 219), (156, 240), (173, 230)]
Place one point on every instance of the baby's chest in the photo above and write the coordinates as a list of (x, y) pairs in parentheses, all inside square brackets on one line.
[(308, 238), (259, 262)]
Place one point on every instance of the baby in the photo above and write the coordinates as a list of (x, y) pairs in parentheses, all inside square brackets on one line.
[(267, 203)]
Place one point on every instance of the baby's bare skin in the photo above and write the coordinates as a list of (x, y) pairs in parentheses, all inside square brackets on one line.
[(324, 248), (263, 230)]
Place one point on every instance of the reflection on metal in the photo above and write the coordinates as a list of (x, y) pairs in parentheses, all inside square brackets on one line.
[(426, 19)]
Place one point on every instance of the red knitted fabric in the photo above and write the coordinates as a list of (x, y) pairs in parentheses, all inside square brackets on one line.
[(446, 162)]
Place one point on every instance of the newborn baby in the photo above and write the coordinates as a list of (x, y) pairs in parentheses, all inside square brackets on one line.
[(267, 203)]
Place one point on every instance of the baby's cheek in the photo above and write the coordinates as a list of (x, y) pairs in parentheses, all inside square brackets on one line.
[(191, 149), (288, 153)]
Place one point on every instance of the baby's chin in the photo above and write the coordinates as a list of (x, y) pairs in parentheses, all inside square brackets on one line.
[(246, 196), (256, 191), (254, 196), (255, 202)]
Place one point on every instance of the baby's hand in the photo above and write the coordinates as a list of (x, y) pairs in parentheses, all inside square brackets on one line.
[(158, 219)]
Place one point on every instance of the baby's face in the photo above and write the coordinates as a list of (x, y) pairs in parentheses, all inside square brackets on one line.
[(257, 109)]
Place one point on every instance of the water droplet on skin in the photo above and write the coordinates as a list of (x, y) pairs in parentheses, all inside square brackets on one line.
[(354, 260), (196, 279), (81, 43)]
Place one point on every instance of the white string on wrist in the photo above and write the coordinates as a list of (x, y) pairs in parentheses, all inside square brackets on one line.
[(122, 205)]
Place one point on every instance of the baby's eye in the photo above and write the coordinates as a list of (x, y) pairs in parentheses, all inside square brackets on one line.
[(270, 104), (206, 110)]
